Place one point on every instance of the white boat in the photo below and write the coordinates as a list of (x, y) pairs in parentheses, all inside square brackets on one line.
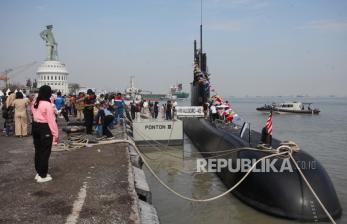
[(132, 93), (290, 107)]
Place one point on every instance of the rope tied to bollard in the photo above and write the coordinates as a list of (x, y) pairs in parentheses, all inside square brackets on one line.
[(282, 150)]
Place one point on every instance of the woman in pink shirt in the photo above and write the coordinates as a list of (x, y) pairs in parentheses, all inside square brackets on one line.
[(44, 131)]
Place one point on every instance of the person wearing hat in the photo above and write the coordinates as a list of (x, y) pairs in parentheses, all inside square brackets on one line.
[(89, 103), (44, 132)]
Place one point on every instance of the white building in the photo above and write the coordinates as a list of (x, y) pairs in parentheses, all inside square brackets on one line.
[(53, 74)]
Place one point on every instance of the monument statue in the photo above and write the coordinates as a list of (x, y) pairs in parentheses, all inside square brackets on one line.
[(47, 35), (52, 72)]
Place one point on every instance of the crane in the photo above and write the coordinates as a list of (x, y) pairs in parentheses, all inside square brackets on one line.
[(8, 74)]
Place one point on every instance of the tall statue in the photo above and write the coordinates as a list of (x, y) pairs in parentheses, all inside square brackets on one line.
[(47, 35)]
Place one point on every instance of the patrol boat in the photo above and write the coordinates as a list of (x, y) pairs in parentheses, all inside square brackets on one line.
[(290, 107), (282, 194)]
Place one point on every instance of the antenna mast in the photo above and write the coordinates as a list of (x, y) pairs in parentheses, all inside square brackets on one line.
[(200, 53)]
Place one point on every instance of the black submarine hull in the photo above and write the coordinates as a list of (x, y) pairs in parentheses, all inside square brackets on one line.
[(282, 194)]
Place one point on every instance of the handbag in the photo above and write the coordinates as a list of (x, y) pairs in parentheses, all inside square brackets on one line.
[(98, 130)]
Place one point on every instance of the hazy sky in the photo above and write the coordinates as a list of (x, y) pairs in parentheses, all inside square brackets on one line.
[(254, 47)]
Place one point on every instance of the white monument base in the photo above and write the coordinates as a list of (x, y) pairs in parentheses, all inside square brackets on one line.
[(53, 74)]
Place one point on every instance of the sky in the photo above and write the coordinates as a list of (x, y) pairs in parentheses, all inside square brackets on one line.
[(254, 47)]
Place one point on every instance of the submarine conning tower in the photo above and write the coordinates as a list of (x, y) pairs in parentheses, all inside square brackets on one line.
[(281, 194), (200, 87)]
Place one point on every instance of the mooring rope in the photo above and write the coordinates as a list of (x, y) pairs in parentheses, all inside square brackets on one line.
[(208, 199), (280, 151), (312, 190), (221, 152), (143, 135)]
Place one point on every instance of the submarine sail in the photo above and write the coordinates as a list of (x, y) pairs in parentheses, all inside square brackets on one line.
[(200, 88)]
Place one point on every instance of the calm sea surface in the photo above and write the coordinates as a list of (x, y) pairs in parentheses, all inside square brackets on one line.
[(324, 136)]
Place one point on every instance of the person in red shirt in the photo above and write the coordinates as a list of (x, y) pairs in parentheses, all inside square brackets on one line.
[(119, 106)]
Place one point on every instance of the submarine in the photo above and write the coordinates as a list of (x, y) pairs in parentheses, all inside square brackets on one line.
[(281, 194)]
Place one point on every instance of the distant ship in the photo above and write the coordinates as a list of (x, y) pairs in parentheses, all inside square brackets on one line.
[(133, 93), (153, 96), (176, 93), (176, 90)]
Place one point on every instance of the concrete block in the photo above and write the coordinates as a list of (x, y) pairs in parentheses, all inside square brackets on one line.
[(135, 158), (148, 214), (141, 185)]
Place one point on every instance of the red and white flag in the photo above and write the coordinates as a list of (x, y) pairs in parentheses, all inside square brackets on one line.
[(268, 124)]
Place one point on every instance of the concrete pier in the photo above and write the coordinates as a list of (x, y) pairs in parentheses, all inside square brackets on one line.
[(141, 185), (90, 185), (148, 213)]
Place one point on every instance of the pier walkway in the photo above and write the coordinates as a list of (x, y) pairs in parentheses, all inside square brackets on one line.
[(90, 185)]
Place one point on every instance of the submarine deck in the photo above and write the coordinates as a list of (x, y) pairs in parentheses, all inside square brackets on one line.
[(254, 138)]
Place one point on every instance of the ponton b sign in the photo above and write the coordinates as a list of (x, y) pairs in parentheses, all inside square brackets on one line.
[(157, 126), (158, 130)]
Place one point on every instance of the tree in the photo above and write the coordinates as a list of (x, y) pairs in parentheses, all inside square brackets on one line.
[(34, 84), (15, 86), (29, 84), (74, 87)]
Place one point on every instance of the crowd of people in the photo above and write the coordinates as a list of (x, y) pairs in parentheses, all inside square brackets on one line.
[(16, 112), (216, 108), (98, 113), (153, 109), (17, 109), (37, 114)]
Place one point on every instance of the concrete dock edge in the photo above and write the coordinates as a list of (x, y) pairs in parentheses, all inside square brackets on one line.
[(144, 212), (134, 215)]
